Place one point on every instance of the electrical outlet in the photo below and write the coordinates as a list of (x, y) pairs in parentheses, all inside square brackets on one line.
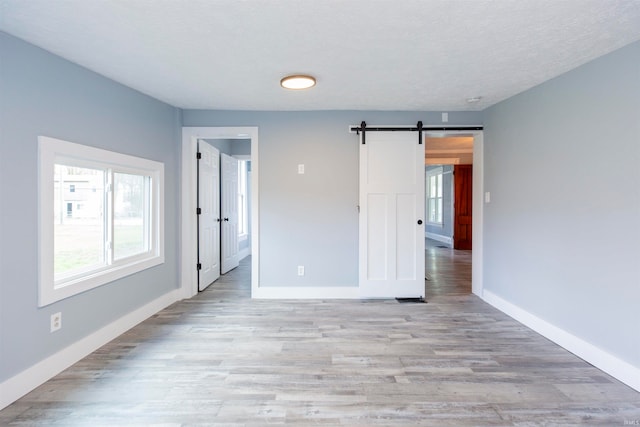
[(56, 321), (301, 270), (301, 169)]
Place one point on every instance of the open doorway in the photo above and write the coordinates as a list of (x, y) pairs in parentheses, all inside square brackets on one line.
[(453, 173), (223, 206), (243, 144)]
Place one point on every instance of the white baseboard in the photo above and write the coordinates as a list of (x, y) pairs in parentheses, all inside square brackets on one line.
[(17, 386), (311, 292), (440, 238), (599, 358), (325, 292), (242, 254)]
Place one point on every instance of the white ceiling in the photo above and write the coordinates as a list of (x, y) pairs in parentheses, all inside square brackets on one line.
[(428, 55)]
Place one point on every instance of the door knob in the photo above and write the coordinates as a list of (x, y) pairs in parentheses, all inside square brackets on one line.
[(419, 222)]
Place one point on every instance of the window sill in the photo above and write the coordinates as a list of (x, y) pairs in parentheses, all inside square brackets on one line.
[(56, 292)]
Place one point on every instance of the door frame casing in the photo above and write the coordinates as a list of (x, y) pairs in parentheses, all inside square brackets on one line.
[(477, 206), (477, 285), (189, 177)]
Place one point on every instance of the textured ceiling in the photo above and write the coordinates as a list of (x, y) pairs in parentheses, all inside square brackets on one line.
[(366, 54)]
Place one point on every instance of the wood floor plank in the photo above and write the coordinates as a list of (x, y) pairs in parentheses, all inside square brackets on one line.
[(222, 359)]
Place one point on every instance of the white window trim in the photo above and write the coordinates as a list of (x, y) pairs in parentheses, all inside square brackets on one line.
[(430, 173), (52, 151)]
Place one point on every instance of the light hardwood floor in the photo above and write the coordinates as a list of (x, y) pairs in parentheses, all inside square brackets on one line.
[(222, 359)]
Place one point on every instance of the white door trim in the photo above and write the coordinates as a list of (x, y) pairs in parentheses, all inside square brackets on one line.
[(477, 284), (188, 241)]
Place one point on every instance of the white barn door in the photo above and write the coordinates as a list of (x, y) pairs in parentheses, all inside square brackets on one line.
[(209, 217), (229, 209), (392, 203)]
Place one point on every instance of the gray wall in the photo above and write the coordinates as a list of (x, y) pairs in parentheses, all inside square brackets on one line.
[(232, 147), (446, 229), (241, 147), (42, 94), (562, 231), (311, 219), (223, 145)]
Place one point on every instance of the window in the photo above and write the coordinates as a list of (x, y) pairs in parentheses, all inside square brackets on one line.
[(434, 196), (116, 228), (243, 208)]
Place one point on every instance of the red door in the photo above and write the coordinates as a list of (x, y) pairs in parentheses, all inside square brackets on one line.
[(463, 178)]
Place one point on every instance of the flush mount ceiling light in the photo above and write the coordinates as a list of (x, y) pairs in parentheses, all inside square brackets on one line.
[(298, 82), (474, 99)]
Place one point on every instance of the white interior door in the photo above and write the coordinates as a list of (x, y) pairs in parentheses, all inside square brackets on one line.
[(392, 200), (209, 218), (229, 210)]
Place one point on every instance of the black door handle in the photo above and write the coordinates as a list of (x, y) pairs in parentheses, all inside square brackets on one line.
[(419, 222), (226, 219)]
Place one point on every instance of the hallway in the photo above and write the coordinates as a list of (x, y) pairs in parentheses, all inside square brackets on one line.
[(448, 271)]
